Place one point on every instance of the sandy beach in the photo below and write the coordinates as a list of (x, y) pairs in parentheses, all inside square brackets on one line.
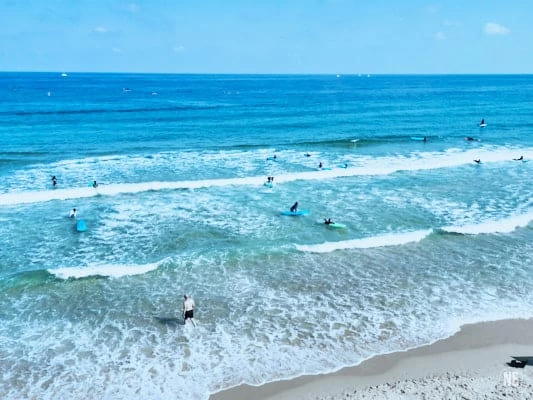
[(475, 363)]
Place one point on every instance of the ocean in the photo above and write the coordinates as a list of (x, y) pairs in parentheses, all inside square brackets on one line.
[(432, 239)]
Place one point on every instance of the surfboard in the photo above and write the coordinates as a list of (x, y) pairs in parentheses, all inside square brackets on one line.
[(324, 169), (336, 225), (343, 165), (81, 226), (482, 125), (271, 159), (268, 184), (296, 213), (417, 138)]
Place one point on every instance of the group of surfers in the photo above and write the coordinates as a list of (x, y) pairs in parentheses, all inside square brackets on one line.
[(521, 158), (54, 182)]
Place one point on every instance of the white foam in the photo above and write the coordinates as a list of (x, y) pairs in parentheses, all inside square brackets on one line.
[(394, 239), (112, 271), (505, 225), (361, 167)]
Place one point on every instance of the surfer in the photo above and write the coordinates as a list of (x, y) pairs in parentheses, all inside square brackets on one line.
[(54, 181), (188, 309), (425, 139), (320, 165), (469, 138), (95, 185), (294, 207), (73, 213), (477, 161), (519, 158), (328, 221), (307, 154), (482, 123)]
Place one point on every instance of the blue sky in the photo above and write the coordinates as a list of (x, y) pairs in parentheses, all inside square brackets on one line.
[(269, 36)]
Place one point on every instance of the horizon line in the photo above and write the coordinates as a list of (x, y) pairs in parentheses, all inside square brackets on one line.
[(358, 74)]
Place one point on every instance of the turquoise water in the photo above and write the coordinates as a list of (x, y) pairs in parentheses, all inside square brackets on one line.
[(432, 239)]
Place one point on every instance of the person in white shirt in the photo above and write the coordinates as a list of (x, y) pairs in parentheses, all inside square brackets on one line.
[(188, 309), (73, 213)]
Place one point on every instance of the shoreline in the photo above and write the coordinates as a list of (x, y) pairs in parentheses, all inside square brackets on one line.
[(471, 362)]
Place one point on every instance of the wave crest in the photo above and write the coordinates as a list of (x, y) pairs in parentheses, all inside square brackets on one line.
[(107, 270)]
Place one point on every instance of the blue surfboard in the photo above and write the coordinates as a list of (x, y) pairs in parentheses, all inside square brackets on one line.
[(81, 226), (298, 213)]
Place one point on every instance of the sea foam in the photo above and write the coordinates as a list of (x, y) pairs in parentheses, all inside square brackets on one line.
[(362, 167), (108, 270), (394, 239), (505, 225)]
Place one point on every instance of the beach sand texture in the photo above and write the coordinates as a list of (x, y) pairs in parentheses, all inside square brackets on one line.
[(472, 364)]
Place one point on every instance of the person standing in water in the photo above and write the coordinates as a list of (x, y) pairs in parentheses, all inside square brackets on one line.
[(188, 309), (73, 213), (54, 181)]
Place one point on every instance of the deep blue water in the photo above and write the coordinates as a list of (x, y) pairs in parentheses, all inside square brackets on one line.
[(432, 239)]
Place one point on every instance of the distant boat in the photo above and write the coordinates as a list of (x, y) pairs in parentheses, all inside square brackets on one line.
[(64, 74)]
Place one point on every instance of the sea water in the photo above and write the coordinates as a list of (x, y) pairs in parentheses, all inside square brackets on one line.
[(432, 239)]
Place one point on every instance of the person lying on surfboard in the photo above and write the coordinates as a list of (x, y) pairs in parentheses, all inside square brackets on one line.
[(328, 221)]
